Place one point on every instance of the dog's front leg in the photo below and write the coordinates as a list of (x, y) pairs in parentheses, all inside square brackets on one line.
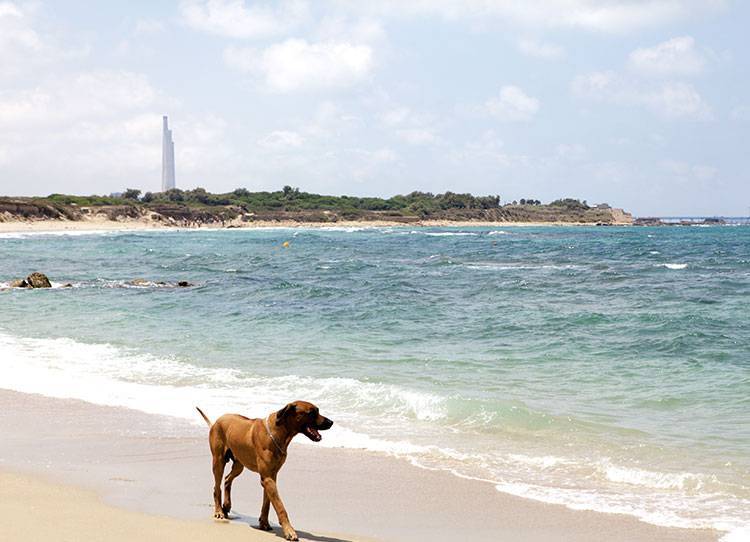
[(269, 485), (263, 523)]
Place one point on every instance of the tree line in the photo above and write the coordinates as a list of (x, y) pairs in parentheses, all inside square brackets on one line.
[(292, 199)]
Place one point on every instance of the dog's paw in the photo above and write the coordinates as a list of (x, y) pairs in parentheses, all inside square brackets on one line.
[(220, 516), (264, 526), (290, 534)]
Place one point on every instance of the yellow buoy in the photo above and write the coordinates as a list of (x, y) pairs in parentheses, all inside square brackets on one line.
[(285, 244)]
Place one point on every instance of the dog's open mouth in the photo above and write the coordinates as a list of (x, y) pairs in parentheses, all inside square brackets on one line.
[(312, 433)]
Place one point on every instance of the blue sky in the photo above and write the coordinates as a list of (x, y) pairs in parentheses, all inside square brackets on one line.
[(644, 104)]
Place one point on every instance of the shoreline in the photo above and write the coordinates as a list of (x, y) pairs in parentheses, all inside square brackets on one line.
[(143, 464), (55, 226)]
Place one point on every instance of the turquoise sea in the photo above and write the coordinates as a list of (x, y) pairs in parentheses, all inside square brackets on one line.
[(601, 368)]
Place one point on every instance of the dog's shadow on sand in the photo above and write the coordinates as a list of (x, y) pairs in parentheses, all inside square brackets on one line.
[(252, 521)]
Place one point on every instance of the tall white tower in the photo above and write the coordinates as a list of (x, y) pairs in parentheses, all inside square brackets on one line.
[(167, 157)]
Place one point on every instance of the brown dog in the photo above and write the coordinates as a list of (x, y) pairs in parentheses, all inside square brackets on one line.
[(260, 445)]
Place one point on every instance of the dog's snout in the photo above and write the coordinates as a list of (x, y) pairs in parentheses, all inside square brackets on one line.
[(326, 423)]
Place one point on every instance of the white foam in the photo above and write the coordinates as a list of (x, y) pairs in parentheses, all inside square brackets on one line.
[(444, 233), (499, 232), (78, 233), (108, 375), (650, 479), (510, 267), (737, 534), (673, 265)]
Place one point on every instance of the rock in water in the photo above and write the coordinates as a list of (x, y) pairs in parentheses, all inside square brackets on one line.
[(38, 280), (183, 284), (20, 283)]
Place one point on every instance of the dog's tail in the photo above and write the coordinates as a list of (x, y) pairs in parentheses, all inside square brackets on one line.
[(204, 416)]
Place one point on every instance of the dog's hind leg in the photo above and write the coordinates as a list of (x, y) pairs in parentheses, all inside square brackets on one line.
[(218, 468), (237, 468)]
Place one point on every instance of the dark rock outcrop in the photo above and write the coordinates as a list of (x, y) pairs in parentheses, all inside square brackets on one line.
[(38, 280), (20, 283)]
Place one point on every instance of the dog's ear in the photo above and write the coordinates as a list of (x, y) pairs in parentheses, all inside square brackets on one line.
[(284, 412)]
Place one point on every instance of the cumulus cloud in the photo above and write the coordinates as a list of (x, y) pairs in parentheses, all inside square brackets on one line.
[(666, 95), (512, 105), (671, 99), (23, 49), (236, 19), (87, 95), (596, 15), (295, 64), (674, 57), (539, 49)]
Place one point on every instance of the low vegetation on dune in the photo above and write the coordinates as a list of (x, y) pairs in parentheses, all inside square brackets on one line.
[(197, 206)]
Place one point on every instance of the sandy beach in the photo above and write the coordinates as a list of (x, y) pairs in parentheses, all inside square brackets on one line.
[(96, 225), (102, 473), (65, 513)]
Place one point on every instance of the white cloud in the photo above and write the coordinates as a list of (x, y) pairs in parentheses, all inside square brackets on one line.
[(87, 95), (409, 126), (596, 15), (512, 104), (685, 171), (366, 164), (488, 150), (296, 64), (281, 140), (22, 48), (417, 136), (670, 99), (539, 49), (674, 57), (235, 19), (396, 116)]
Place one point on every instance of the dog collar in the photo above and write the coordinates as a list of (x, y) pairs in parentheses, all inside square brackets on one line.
[(276, 442)]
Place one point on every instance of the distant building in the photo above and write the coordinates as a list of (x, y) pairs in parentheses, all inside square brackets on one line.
[(167, 157)]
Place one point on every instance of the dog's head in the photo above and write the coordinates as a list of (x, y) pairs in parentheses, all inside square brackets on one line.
[(303, 417)]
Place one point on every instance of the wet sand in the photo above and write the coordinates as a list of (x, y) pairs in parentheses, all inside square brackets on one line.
[(147, 467)]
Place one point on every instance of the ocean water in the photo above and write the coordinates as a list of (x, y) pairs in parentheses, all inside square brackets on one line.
[(601, 368)]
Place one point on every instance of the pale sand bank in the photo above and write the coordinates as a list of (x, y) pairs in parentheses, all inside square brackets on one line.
[(155, 466), (33, 510), (93, 225)]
